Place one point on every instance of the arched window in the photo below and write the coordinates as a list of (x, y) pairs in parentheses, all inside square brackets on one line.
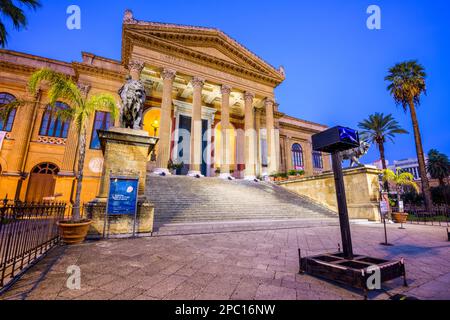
[(6, 116), (297, 157), (51, 125), (317, 160), (46, 168)]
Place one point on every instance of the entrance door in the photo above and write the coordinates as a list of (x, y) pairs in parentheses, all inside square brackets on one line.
[(184, 145), (42, 182)]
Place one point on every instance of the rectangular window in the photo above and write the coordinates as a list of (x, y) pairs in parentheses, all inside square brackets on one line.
[(317, 160), (102, 122)]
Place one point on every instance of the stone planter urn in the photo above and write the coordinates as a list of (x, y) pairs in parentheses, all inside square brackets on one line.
[(73, 232), (400, 217)]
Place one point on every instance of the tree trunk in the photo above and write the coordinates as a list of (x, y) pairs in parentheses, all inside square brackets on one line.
[(383, 163), (81, 157), (382, 156), (420, 157)]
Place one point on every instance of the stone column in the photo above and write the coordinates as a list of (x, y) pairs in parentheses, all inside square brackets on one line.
[(259, 169), (250, 146), (307, 158), (196, 128), (135, 67), (270, 133), (225, 133), (165, 122), (288, 153)]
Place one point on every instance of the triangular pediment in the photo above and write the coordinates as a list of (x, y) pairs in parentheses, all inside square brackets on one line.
[(203, 44), (213, 52)]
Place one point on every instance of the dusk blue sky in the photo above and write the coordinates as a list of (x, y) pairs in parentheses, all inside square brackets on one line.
[(335, 66)]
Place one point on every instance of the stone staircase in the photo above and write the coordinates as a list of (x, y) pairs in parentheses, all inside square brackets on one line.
[(211, 202)]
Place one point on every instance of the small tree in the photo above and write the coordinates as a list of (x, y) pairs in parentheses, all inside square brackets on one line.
[(62, 87), (438, 166), (399, 180)]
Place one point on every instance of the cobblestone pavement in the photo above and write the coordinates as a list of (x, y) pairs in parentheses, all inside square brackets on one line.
[(235, 265)]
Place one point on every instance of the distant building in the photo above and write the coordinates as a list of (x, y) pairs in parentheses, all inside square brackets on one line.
[(408, 165), (379, 164)]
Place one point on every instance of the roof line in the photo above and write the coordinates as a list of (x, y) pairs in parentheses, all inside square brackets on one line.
[(130, 20)]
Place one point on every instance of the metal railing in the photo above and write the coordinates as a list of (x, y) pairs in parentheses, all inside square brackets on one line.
[(439, 215), (27, 232)]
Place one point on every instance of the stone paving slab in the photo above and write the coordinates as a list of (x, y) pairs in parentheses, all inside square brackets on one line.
[(237, 266)]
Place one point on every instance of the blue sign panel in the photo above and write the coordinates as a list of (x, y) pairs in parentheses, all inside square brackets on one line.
[(348, 135), (122, 197)]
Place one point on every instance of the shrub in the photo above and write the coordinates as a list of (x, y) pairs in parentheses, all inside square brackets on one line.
[(441, 194)]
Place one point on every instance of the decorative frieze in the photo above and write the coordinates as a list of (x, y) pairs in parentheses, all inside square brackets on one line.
[(52, 140)]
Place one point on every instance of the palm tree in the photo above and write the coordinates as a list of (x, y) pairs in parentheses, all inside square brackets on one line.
[(62, 87), (407, 83), (399, 180), (9, 10), (379, 128), (438, 166)]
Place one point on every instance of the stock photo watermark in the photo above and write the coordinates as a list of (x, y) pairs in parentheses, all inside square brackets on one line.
[(374, 20), (74, 280), (73, 21)]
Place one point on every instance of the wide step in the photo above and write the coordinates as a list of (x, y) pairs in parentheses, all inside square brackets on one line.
[(180, 199)]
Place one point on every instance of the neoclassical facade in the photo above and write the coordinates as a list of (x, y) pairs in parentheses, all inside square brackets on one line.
[(210, 101)]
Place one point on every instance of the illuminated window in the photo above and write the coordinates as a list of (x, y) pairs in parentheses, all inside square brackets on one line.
[(102, 122), (6, 120), (52, 125)]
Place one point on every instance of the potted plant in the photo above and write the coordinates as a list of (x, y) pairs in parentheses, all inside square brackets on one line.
[(398, 180), (292, 174), (63, 88)]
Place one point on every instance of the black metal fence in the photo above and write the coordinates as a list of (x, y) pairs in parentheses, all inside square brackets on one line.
[(27, 231), (439, 215)]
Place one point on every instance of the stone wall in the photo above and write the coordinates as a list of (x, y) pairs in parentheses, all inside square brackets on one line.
[(361, 187)]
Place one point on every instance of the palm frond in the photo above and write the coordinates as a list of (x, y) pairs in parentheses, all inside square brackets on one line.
[(406, 83), (61, 86), (3, 35), (5, 109), (104, 101)]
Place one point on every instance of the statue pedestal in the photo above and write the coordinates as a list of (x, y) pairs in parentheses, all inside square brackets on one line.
[(126, 153)]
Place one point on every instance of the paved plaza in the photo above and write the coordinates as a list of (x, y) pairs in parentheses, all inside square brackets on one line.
[(235, 265)]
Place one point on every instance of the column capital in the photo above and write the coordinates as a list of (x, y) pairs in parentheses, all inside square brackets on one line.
[(168, 74), (248, 96), (225, 89), (84, 88), (268, 102), (198, 82), (136, 65)]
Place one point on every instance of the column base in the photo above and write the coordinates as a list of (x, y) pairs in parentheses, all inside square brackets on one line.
[(250, 178), (161, 172), (226, 176), (195, 174)]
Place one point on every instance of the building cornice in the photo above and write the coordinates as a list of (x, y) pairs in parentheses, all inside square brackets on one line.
[(81, 68), (132, 37)]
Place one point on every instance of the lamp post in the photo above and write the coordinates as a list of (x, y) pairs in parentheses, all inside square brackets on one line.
[(155, 126)]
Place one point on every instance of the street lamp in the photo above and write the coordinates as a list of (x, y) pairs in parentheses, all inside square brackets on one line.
[(155, 126)]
